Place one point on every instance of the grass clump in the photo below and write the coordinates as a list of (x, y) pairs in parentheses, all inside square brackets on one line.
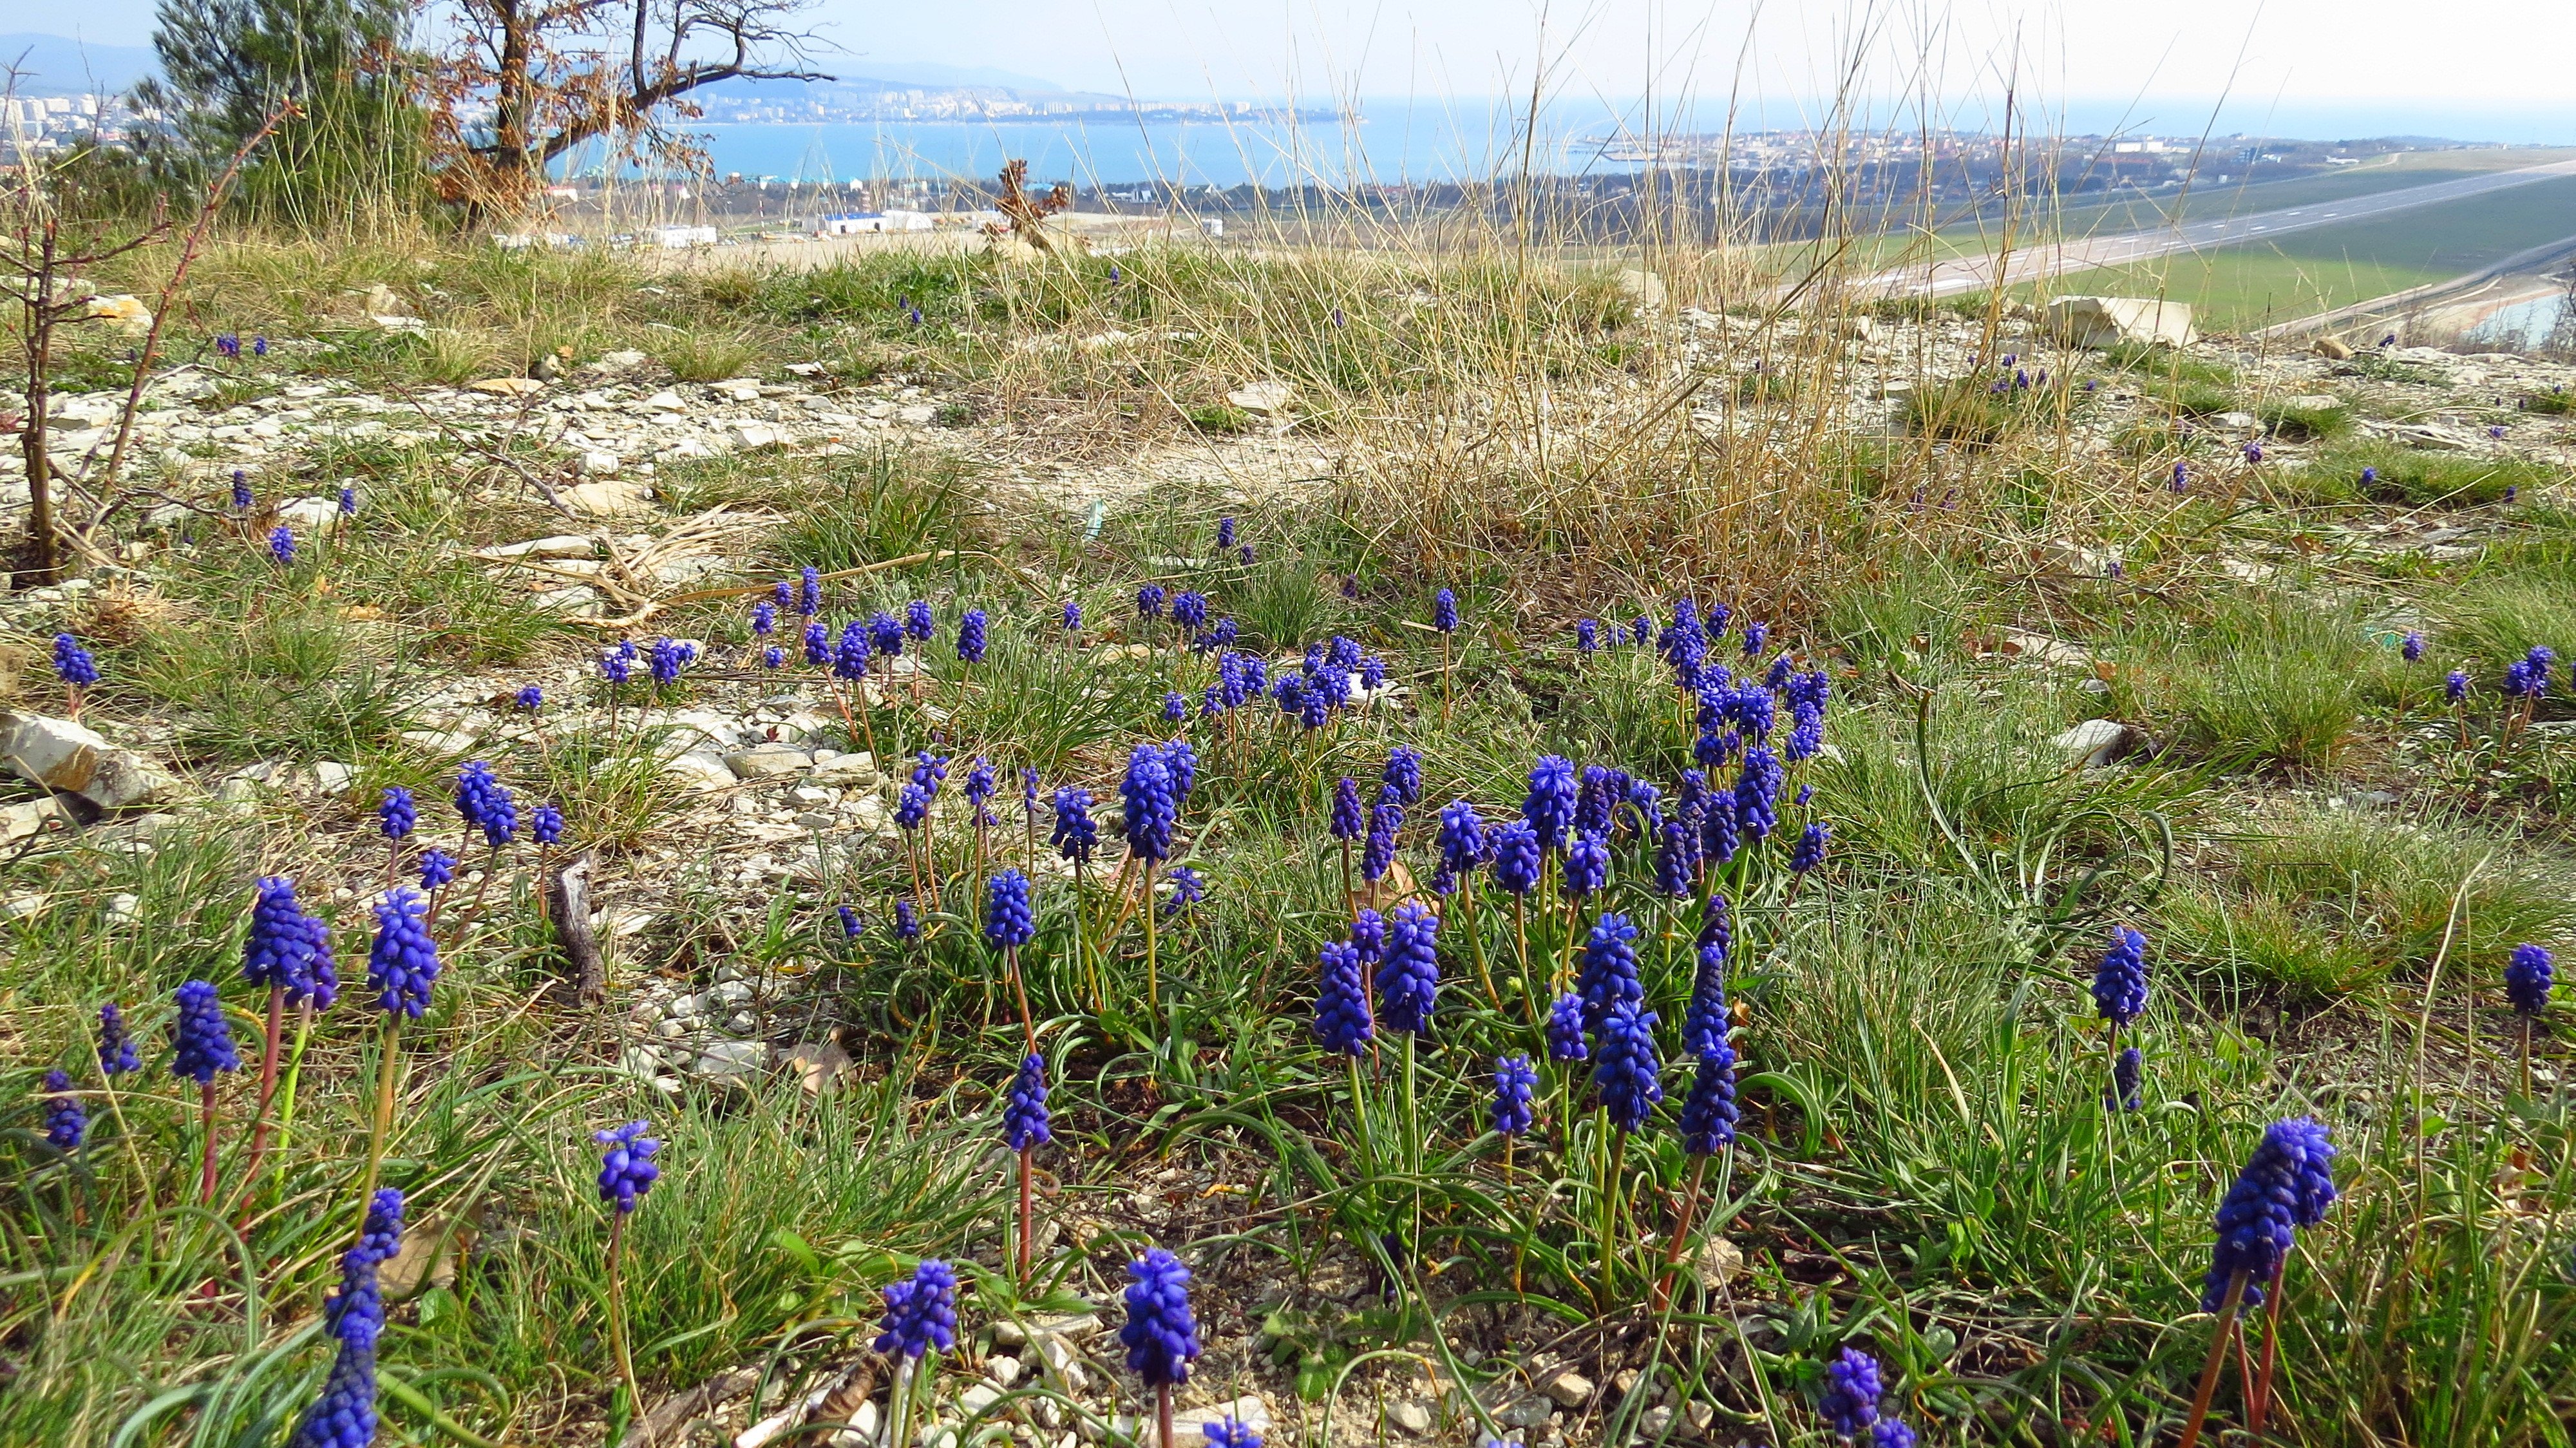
[(2274, 678), (2416, 477)]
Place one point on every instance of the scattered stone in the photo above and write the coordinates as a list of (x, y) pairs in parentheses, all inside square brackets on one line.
[(608, 498), (733, 1063), (2023, 644), (1566, 1388), (24, 821), (1411, 1414), (767, 761), (1717, 1262), (1002, 1369), (560, 545), (2330, 349), (507, 386), (1249, 1410), (1526, 1412), (2095, 743), (2101, 322), (704, 769), (62, 755), (1263, 398)]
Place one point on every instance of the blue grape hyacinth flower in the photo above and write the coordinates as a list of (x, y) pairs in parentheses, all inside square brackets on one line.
[(1025, 1124), (201, 1039), (920, 1312), (626, 1169), (1074, 835), (345, 1415), (65, 1122), (2128, 1073), (1187, 889), (1342, 1022), (1408, 981), (1404, 772), (1516, 857), (1709, 1111), (2527, 979), (1151, 804), (402, 964), (117, 1055), (437, 867), (1346, 821), (1849, 1402), (1444, 611), (2288, 1183), (1008, 920), (1549, 807), (281, 545), (1628, 1075), (1161, 1336), (919, 623), (1514, 1081), (1608, 977), (1565, 1029), (971, 636), (2120, 981), (74, 665)]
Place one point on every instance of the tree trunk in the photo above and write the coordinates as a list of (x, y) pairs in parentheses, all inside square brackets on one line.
[(42, 545)]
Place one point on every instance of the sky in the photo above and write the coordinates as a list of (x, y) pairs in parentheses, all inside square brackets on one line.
[(2166, 59)]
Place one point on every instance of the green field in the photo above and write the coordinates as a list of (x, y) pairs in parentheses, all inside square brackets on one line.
[(1976, 235), (2306, 272)]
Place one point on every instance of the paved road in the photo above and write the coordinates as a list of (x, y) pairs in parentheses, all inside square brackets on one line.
[(1972, 273)]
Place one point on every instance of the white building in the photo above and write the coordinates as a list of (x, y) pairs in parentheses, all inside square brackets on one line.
[(867, 223)]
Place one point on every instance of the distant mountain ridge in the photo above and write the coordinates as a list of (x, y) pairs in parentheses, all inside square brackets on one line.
[(51, 65)]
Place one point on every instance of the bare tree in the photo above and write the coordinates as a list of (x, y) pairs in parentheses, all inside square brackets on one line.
[(528, 80)]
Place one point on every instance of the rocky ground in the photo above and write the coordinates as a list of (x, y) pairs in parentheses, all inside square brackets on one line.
[(760, 800)]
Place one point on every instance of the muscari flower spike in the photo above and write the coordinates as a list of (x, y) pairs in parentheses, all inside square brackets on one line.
[(116, 1051), (1514, 1081), (529, 699), (1676, 851), (1565, 1029), (1549, 807), (1149, 601), (1161, 1336), (1587, 864), (2413, 647), (402, 964), (919, 623), (1188, 889), (818, 646), (1008, 920), (1629, 1076), (850, 924), (907, 921), (2288, 1183), (1346, 821), (1462, 837), (1704, 1025), (1516, 857), (1230, 1433), (921, 1313), (911, 806), (1810, 851), (626, 1169), (1024, 1116), (2127, 1073), (1852, 1390), (1608, 978), (1444, 611), (2455, 687), (65, 1122), (1075, 835), (764, 617), (850, 657), (73, 665), (1368, 936), (281, 545), (970, 637), (1072, 616), (286, 949), (809, 591), (1709, 1111), (437, 867), (1408, 983), (241, 491), (1757, 795), (1176, 707), (545, 824), (2527, 979), (1151, 804), (1377, 851), (1342, 1022), (201, 1039), (1190, 610), (885, 634), (345, 1415), (2120, 981), (1224, 533), (1404, 772)]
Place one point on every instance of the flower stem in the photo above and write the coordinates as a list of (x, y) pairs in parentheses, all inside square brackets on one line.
[(1027, 1222), (2217, 1359), (206, 1172), (388, 1068), (617, 1322), (274, 1031)]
